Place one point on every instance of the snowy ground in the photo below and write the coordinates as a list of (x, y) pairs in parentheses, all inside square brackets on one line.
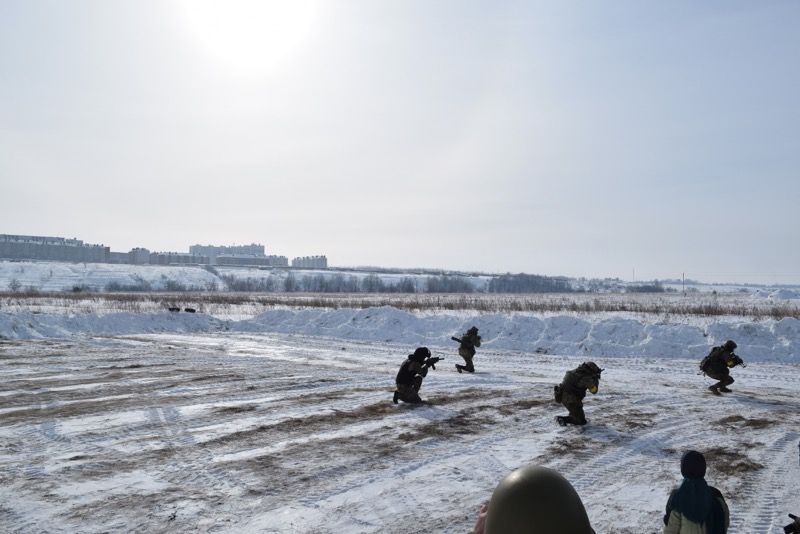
[(233, 431)]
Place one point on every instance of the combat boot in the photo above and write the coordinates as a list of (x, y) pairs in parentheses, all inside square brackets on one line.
[(725, 389), (714, 390), (459, 368), (561, 420)]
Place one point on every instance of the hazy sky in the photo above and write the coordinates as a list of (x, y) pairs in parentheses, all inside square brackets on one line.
[(576, 138)]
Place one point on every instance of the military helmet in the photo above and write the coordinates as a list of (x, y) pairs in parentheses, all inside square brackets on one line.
[(593, 368), (729, 345), (421, 354), (474, 329), (536, 500)]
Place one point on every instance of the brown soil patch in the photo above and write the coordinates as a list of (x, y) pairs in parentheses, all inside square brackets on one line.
[(731, 462), (740, 421)]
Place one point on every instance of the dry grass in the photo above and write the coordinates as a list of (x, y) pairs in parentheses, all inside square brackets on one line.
[(582, 303)]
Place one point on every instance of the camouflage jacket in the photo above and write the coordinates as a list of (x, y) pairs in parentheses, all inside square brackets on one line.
[(409, 370), (717, 361), (469, 342), (576, 382)]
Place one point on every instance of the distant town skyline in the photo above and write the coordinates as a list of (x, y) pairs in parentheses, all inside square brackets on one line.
[(557, 138)]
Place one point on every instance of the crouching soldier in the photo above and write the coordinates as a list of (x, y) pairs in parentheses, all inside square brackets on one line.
[(572, 390), (409, 377), (717, 365), (466, 350)]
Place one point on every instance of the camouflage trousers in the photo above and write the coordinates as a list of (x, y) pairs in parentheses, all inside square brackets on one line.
[(467, 355), (576, 415), (410, 392), (725, 378)]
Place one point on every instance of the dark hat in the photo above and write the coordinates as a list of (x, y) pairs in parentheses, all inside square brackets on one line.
[(693, 465), (593, 367), (421, 354), (729, 345)]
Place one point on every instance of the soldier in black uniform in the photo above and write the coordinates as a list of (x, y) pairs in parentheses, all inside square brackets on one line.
[(572, 390), (409, 377), (717, 365), (466, 350)]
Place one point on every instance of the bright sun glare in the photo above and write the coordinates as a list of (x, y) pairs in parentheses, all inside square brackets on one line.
[(252, 37)]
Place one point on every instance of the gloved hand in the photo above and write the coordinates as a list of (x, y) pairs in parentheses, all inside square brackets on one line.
[(593, 389)]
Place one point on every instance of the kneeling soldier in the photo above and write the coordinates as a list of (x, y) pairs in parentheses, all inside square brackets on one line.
[(717, 365), (572, 390), (409, 377)]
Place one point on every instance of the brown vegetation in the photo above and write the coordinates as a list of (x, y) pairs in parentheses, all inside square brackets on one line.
[(490, 303)]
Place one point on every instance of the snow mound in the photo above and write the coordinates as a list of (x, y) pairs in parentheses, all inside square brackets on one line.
[(785, 294), (603, 336)]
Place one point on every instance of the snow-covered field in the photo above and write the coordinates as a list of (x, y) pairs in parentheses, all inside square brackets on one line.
[(283, 422)]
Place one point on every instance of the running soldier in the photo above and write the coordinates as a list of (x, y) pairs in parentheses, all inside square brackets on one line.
[(717, 365), (466, 350), (572, 390), (409, 377)]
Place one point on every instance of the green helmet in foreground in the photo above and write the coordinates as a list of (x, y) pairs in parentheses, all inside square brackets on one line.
[(536, 500)]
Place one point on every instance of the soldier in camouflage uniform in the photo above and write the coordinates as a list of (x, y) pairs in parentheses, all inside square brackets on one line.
[(717, 365), (572, 390), (409, 377), (466, 350)]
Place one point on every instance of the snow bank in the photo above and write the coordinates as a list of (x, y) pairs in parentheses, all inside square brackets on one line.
[(27, 325), (601, 336)]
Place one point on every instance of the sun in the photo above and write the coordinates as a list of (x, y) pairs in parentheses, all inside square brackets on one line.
[(251, 37)]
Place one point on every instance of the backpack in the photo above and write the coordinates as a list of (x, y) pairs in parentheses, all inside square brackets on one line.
[(706, 362)]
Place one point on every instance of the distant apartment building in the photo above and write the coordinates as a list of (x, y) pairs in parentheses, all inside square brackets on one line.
[(139, 256), (212, 251), (255, 261), (177, 258), (311, 262), (31, 247), (25, 247)]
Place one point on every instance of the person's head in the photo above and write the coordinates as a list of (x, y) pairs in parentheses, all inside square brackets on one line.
[(473, 330), (729, 345), (421, 354), (591, 366), (536, 500), (693, 465)]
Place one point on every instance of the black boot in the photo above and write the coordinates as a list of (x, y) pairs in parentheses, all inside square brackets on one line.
[(725, 389), (459, 368), (714, 390), (561, 420)]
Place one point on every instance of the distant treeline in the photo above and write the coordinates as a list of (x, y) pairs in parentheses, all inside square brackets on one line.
[(341, 283), (529, 283)]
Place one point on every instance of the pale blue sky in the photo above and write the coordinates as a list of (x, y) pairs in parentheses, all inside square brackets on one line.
[(576, 138)]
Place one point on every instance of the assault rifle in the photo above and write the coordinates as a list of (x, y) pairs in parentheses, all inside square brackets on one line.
[(734, 360), (793, 527), (431, 362), (454, 338)]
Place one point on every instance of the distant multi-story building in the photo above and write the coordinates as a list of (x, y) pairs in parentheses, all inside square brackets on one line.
[(177, 258), (25, 247), (32, 247), (139, 256), (212, 251), (243, 261), (311, 262)]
